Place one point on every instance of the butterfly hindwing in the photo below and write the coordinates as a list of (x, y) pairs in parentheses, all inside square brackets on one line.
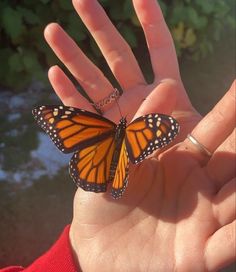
[(148, 133), (90, 167), (120, 180), (70, 128)]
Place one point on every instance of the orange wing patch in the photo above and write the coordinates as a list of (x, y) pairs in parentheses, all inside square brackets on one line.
[(148, 133), (63, 124), (90, 167), (138, 137), (89, 121), (71, 129), (120, 181), (80, 130)]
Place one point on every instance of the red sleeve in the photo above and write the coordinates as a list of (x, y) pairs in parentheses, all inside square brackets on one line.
[(57, 259)]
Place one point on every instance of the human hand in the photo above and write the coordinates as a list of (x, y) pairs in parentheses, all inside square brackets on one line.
[(149, 206), (179, 210), (165, 95)]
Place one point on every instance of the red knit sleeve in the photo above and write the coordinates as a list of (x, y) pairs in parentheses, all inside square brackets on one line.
[(12, 269), (57, 259)]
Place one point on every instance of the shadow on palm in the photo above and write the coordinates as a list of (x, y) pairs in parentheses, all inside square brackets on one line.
[(165, 194)]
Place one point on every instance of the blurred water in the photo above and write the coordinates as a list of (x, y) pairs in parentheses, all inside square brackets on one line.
[(26, 153), (45, 160), (52, 160)]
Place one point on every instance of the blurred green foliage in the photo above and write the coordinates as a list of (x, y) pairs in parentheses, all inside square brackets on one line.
[(11, 134), (195, 26)]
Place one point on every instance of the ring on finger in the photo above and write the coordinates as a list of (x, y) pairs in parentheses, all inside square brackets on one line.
[(107, 100), (199, 146)]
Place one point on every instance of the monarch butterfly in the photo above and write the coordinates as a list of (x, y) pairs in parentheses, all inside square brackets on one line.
[(102, 149)]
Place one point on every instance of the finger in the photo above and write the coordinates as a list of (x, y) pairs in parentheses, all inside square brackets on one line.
[(66, 91), (220, 248), (224, 207), (164, 103), (161, 99), (215, 127), (159, 40), (87, 74), (221, 166), (114, 48)]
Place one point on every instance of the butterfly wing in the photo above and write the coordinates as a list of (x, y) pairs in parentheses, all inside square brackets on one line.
[(93, 138), (148, 133), (120, 181), (90, 167), (70, 128)]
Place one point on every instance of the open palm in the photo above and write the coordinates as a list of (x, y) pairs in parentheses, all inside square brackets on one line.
[(173, 214)]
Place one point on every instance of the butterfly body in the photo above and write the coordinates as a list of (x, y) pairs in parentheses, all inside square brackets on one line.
[(119, 138), (102, 149)]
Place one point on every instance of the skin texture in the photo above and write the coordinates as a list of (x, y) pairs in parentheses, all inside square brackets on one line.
[(178, 213)]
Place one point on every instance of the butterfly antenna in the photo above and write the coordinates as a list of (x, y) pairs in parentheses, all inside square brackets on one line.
[(119, 108)]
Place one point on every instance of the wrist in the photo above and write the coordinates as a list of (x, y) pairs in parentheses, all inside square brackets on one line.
[(74, 244)]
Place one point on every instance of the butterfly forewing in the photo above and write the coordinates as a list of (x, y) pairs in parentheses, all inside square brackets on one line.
[(71, 129), (148, 133)]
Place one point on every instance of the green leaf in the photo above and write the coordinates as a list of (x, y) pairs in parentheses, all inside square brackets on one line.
[(135, 21), (128, 10), (15, 62), (163, 7), (66, 5), (75, 28), (217, 27), (231, 22), (116, 11), (12, 22), (206, 6), (190, 38), (30, 61), (201, 22), (104, 3), (40, 74), (45, 13), (29, 16), (45, 1), (128, 33), (95, 49), (221, 9), (178, 15), (4, 68), (195, 19), (192, 16)]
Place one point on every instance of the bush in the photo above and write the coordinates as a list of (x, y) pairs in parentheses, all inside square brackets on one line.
[(24, 55)]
